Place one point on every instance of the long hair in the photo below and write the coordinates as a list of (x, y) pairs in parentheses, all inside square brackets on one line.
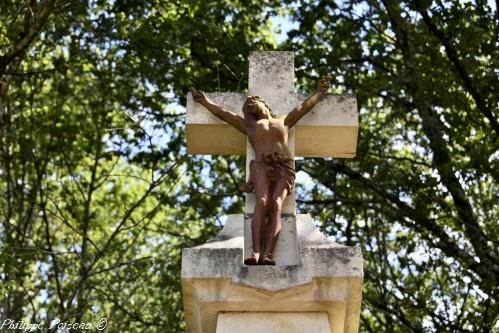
[(260, 99)]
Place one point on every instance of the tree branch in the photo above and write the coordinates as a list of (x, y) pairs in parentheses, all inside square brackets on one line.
[(441, 238), (33, 31), (467, 80), (441, 155)]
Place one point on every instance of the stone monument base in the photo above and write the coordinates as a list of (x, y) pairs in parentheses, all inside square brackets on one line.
[(258, 322), (323, 290)]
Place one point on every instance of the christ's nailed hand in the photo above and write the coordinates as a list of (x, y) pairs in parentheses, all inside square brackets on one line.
[(198, 95), (324, 85)]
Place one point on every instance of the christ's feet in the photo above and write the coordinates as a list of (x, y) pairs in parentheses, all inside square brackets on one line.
[(267, 259), (252, 259)]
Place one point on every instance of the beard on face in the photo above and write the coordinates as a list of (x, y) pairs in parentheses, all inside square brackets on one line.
[(251, 107)]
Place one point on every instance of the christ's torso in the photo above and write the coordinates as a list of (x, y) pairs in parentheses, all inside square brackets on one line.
[(269, 136)]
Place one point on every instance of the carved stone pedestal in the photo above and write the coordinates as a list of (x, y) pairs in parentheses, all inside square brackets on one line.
[(258, 322), (321, 293)]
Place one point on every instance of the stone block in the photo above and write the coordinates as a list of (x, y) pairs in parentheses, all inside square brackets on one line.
[(271, 76), (330, 129), (328, 280), (260, 322), (206, 134)]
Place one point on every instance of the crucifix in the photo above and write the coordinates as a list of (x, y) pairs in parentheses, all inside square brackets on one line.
[(328, 129)]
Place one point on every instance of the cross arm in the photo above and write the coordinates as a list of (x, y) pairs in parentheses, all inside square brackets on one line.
[(330, 129), (229, 117), (298, 112), (208, 134)]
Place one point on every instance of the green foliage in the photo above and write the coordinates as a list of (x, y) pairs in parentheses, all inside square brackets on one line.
[(421, 196), (98, 197)]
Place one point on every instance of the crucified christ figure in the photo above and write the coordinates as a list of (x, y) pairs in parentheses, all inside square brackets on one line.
[(272, 172)]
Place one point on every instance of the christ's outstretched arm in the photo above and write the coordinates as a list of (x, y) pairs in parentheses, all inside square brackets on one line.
[(298, 112), (229, 117)]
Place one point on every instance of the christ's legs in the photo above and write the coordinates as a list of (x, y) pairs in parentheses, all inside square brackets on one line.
[(261, 185), (279, 193)]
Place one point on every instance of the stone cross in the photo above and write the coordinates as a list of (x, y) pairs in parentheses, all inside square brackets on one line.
[(321, 293), (328, 130)]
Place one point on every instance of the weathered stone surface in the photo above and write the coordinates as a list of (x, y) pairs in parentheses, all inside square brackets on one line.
[(271, 76), (329, 279), (206, 134), (258, 322), (330, 129), (223, 257)]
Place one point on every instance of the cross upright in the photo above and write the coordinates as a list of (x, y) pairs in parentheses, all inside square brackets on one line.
[(328, 130)]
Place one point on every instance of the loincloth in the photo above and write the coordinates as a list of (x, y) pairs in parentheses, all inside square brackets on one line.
[(274, 167)]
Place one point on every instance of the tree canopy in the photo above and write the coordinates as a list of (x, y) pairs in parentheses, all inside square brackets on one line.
[(98, 195)]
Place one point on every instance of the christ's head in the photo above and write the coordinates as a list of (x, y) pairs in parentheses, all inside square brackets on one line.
[(257, 108)]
